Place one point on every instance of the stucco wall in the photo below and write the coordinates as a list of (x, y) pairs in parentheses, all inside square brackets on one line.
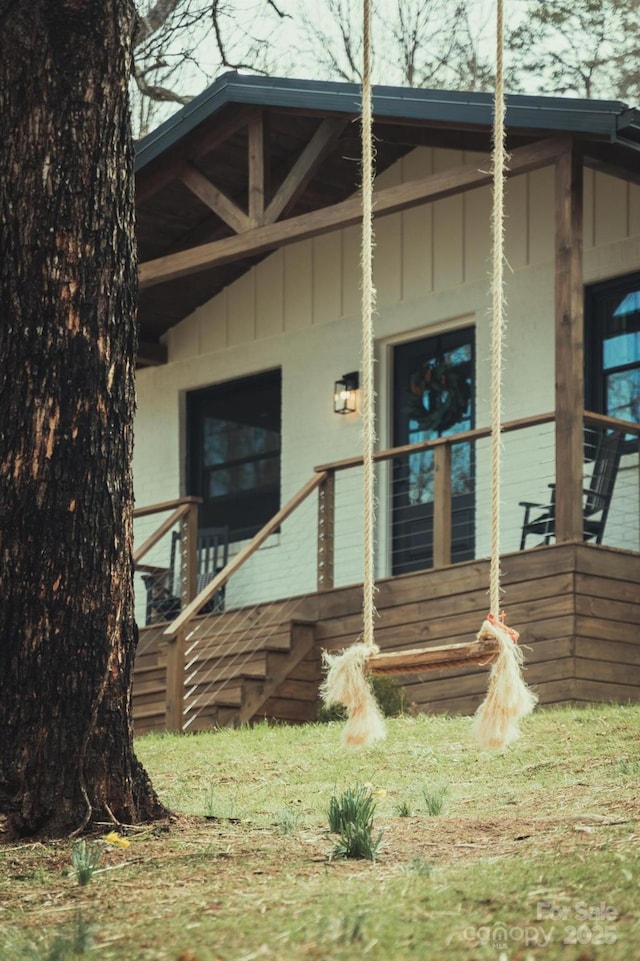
[(299, 310)]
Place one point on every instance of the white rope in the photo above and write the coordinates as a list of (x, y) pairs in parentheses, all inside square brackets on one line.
[(345, 682), (508, 698), (368, 308), (498, 315)]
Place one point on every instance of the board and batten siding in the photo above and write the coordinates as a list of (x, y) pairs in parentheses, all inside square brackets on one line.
[(299, 310)]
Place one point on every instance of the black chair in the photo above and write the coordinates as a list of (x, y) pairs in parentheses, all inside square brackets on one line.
[(597, 497), (163, 604), (213, 555), (163, 586)]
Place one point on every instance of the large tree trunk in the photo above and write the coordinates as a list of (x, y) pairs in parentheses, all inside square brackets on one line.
[(67, 354)]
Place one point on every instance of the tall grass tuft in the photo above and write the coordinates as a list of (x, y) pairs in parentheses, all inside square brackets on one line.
[(434, 798), (85, 858), (351, 816), (403, 809)]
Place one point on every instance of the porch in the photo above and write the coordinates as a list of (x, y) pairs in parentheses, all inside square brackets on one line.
[(294, 589)]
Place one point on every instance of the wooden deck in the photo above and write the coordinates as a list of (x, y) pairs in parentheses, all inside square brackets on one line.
[(576, 606)]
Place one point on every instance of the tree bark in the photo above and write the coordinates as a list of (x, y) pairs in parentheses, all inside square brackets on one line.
[(68, 294)]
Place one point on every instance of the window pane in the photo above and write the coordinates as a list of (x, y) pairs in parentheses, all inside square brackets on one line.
[(219, 483), (225, 440), (612, 317), (621, 349), (630, 304), (623, 395), (234, 452), (461, 470), (420, 476)]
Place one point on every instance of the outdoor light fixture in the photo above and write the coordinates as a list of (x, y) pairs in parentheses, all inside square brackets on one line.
[(344, 393)]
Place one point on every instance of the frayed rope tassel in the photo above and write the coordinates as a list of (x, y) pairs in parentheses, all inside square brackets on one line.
[(508, 697), (347, 684)]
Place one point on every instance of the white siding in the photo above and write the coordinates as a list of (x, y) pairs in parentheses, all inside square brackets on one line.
[(299, 309), (417, 232)]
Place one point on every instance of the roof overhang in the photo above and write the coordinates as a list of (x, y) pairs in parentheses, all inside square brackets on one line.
[(253, 163)]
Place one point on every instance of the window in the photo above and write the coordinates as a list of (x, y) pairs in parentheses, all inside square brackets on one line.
[(233, 452), (612, 324)]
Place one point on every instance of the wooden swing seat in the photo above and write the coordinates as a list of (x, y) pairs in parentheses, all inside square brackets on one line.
[(480, 652)]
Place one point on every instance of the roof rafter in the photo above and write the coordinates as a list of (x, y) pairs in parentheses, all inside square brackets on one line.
[(390, 200), (215, 199), (305, 166), (170, 168)]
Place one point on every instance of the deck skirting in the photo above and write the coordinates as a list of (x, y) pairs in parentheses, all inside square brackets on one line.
[(576, 607)]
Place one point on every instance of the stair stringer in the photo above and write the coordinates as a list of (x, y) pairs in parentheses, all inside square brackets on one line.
[(255, 692)]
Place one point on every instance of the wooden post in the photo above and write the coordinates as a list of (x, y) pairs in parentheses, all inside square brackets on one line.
[(326, 531), (258, 187), (569, 358), (442, 506), (189, 560), (176, 645), (175, 682)]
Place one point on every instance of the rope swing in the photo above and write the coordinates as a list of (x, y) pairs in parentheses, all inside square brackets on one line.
[(508, 698), (346, 681)]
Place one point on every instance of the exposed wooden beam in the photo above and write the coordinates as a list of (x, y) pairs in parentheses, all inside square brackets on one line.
[(214, 198), (257, 169), (304, 167), (388, 201), (569, 360), (165, 169)]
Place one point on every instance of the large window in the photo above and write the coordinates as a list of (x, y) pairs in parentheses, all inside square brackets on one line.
[(612, 323), (233, 452)]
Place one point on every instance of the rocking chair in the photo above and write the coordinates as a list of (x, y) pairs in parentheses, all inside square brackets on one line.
[(597, 497), (163, 594)]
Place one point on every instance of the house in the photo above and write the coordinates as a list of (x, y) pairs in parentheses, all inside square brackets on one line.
[(248, 230)]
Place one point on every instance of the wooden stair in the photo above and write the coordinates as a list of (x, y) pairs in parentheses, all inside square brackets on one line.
[(277, 678)]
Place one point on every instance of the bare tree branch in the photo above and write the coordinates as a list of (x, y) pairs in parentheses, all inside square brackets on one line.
[(582, 47), (280, 13), (154, 20), (161, 94)]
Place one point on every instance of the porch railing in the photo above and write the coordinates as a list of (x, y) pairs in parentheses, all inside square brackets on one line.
[(444, 481), (442, 449), (443, 494)]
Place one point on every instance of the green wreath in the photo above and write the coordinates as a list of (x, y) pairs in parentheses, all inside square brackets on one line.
[(438, 395)]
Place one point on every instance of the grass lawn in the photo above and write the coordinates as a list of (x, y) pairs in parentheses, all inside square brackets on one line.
[(534, 855)]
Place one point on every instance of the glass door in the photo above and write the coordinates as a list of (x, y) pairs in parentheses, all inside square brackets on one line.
[(433, 396)]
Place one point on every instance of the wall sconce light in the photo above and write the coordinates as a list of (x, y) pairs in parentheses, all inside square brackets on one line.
[(344, 393)]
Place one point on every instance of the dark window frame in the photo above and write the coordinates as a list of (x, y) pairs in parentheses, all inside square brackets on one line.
[(249, 404), (597, 321)]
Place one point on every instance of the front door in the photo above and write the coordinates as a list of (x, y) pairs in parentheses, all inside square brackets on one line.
[(433, 396)]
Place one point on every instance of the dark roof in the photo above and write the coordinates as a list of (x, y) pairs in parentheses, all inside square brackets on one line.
[(611, 118), (211, 132)]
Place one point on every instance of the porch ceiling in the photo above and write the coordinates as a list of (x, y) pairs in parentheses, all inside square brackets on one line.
[(251, 152)]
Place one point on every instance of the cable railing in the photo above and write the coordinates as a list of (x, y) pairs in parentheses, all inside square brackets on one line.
[(433, 510)]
